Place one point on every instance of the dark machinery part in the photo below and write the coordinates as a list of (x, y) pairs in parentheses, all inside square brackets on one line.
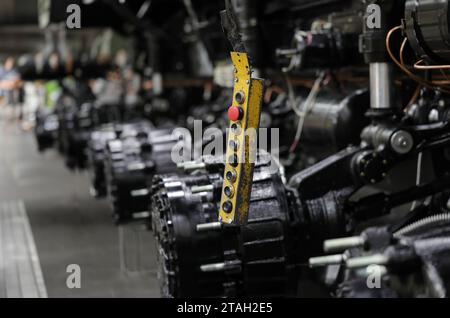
[(410, 262), (79, 114), (328, 48), (331, 44), (247, 12), (31, 70), (336, 121), (130, 163), (427, 27), (231, 27), (96, 155), (199, 257), (97, 146), (322, 204), (373, 46), (75, 123), (331, 49), (372, 42), (46, 130)]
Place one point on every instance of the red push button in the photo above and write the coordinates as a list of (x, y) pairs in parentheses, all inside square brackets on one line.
[(235, 113)]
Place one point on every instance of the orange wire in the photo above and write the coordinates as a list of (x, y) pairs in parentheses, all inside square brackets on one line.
[(414, 77), (417, 90), (417, 66), (402, 60), (402, 50)]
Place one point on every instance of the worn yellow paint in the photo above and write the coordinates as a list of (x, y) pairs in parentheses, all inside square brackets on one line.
[(247, 141)]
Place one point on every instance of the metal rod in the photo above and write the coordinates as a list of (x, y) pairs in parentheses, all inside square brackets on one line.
[(341, 244), (364, 261), (326, 260), (209, 226), (204, 188), (380, 86)]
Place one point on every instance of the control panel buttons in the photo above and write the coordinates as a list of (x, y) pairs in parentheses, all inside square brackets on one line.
[(244, 114), (234, 145), (233, 160), (235, 113), (227, 207), (229, 191), (236, 129), (231, 176), (240, 97)]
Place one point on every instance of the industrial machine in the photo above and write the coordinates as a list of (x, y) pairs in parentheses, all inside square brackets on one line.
[(353, 197), (361, 190)]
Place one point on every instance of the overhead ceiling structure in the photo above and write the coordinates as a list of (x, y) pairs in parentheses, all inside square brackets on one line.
[(19, 30), (19, 12), (24, 23)]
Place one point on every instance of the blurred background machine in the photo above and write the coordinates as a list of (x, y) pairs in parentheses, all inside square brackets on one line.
[(350, 192)]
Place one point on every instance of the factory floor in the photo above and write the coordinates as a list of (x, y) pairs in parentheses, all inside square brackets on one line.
[(55, 238)]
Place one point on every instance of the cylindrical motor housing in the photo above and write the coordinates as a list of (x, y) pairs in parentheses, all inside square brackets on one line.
[(336, 121), (130, 163), (428, 30), (200, 258)]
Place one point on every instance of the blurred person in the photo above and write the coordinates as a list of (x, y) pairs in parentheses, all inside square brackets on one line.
[(11, 87), (2, 94)]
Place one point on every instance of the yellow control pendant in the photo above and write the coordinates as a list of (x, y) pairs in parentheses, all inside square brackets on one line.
[(244, 115)]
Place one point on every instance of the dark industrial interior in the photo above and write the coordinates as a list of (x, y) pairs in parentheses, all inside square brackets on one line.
[(224, 149)]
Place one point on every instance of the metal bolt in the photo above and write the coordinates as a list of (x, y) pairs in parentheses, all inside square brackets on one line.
[(194, 166), (140, 193), (326, 260), (136, 166), (402, 142), (364, 261), (213, 267), (205, 188), (182, 164), (218, 267), (209, 226), (433, 116), (341, 244)]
